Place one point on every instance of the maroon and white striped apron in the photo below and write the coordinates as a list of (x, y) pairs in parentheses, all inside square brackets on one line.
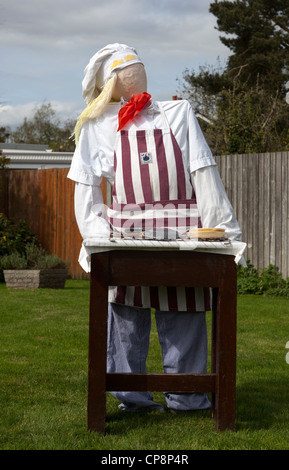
[(152, 193)]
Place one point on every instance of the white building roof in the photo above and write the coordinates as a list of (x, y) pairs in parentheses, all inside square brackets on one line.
[(37, 159)]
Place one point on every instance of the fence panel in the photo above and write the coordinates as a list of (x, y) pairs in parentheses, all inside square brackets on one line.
[(258, 188), (45, 200)]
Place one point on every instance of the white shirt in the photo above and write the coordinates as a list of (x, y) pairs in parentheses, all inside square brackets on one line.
[(94, 159)]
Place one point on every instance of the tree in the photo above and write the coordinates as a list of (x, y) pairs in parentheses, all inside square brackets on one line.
[(5, 132), (257, 32), (248, 120), (3, 160), (244, 101), (63, 141), (45, 128), (41, 128)]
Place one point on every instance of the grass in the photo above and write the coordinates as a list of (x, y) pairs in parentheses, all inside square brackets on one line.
[(43, 367)]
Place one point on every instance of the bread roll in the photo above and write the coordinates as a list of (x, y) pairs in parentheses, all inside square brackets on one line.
[(207, 233)]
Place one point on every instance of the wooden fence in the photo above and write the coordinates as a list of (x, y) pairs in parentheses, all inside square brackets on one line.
[(257, 186), (45, 200)]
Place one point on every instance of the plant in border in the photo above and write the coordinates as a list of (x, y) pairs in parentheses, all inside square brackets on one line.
[(266, 281), (14, 236), (35, 257)]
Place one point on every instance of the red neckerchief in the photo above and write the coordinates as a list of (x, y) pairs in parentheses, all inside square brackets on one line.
[(132, 108)]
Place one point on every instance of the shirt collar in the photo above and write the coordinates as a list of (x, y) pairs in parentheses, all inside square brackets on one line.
[(151, 107)]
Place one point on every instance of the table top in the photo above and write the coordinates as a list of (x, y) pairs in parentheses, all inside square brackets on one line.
[(228, 247)]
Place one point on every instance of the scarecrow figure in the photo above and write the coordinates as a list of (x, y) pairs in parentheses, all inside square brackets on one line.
[(165, 179)]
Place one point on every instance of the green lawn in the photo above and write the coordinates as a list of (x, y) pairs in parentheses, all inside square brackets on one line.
[(43, 380)]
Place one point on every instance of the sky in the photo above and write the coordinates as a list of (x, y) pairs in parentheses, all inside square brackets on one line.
[(45, 46)]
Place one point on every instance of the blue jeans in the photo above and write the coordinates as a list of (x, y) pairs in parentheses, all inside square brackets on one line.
[(183, 340)]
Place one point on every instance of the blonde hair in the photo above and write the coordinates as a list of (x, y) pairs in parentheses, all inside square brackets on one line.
[(96, 107)]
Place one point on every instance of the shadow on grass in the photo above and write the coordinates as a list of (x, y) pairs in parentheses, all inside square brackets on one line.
[(119, 422), (72, 288), (263, 404)]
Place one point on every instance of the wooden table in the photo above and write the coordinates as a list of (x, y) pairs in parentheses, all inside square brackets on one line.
[(166, 268)]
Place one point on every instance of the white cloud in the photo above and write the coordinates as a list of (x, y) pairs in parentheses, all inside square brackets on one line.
[(70, 25), (13, 116), (46, 45)]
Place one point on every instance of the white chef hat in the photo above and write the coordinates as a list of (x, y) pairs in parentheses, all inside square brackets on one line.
[(100, 79), (103, 65)]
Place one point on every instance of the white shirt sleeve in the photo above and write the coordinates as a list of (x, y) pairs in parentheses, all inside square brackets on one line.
[(200, 154), (86, 163), (94, 155), (213, 204), (93, 160), (90, 211)]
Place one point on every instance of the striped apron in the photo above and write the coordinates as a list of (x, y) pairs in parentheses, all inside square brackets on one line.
[(153, 197)]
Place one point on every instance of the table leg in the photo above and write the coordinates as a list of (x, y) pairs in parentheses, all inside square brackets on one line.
[(97, 354), (213, 344), (226, 361)]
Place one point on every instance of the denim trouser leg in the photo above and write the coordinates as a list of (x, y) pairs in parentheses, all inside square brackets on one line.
[(183, 339), (128, 344)]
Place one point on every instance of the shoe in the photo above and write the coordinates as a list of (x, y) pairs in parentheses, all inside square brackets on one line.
[(175, 411), (131, 407)]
